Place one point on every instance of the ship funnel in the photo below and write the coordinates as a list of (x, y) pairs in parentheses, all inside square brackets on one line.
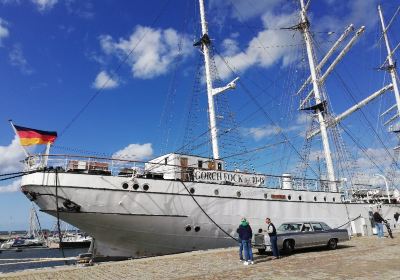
[(287, 183)]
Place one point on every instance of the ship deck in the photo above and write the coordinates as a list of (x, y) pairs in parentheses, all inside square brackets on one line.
[(361, 258)]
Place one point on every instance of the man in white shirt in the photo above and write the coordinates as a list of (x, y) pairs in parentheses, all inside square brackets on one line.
[(273, 238)]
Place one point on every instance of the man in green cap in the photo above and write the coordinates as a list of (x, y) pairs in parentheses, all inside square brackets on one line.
[(245, 235)]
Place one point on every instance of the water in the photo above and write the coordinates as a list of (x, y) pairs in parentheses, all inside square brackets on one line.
[(10, 260)]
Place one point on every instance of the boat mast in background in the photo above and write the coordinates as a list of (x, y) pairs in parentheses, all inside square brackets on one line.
[(320, 106), (211, 92)]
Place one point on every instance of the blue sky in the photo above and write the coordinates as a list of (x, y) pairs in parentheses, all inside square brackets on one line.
[(134, 60)]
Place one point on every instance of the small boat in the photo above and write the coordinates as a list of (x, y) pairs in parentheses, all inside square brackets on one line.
[(18, 242), (76, 241)]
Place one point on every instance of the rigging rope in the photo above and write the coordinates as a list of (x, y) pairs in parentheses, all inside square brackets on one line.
[(205, 213), (58, 217)]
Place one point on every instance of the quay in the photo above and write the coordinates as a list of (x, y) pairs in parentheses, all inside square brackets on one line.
[(360, 258)]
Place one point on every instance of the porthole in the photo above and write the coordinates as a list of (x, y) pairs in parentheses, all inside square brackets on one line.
[(188, 228), (265, 195), (135, 186), (324, 198), (315, 198), (238, 194), (146, 187), (125, 186), (289, 197), (334, 199), (300, 197), (196, 228), (192, 190), (216, 192)]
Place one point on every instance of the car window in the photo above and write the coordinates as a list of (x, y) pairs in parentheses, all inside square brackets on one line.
[(325, 226), (306, 227), (317, 227), (290, 227)]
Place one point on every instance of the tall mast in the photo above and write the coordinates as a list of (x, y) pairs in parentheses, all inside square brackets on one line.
[(391, 67), (320, 110), (205, 43)]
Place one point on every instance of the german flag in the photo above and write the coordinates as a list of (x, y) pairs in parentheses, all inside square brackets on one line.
[(30, 136)]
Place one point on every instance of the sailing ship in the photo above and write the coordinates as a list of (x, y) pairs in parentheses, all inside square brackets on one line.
[(181, 202), (33, 238)]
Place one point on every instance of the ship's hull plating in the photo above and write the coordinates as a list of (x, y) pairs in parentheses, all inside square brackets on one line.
[(166, 219)]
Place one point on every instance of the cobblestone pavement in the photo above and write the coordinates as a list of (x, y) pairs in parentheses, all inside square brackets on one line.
[(360, 258)]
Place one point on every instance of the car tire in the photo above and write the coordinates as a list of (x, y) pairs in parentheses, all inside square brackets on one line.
[(332, 244), (261, 251), (288, 247)]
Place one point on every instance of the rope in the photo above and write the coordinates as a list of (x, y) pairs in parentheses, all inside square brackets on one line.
[(58, 219), (205, 213), (38, 260), (20, 174), (349, 222)]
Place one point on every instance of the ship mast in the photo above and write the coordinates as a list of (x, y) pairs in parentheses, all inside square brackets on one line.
[(391, 67), (205, 40), (320, 107), (211, 92)]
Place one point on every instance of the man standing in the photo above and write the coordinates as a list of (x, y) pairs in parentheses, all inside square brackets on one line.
[(396, 218), (245, 235), (272, 238), (378, 223)]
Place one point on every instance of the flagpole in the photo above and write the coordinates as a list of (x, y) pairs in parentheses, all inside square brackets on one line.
[(16, 133), (46, 155)]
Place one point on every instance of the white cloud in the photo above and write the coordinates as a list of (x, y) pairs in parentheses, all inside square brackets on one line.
[(82, 9), (6, 2), (4, 32), (258, 133), (18, 60), (358, 12), (151, 51), (12, 187), (135, 152), (10, 157), (245, 9), (105, 81), (257, 52), (44, 5)]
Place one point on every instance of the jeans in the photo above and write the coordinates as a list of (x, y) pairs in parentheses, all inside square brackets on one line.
[(248, 253), (379, 229), (274, 245), (240, 249)]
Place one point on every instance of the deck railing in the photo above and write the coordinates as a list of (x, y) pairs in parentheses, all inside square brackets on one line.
[(127, 167)]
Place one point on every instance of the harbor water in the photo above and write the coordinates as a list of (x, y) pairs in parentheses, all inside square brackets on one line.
[(12, 260)]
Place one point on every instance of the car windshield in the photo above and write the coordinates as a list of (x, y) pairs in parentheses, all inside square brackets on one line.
[(290, 227), (325, 226)]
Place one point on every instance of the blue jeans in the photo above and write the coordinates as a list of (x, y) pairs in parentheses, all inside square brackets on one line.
[(240, 249), (248, 253), (274, 246), (379, 229)]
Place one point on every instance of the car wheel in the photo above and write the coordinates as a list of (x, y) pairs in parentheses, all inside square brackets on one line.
[(261, 251), (332, 244), (288, 246)]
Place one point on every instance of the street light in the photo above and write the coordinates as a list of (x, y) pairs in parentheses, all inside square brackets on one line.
[(387, 186)]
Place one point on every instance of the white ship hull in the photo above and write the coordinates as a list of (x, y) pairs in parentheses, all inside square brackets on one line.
[(134, 223)]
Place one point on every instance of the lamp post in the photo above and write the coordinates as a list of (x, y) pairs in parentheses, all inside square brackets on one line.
[(386, 183)]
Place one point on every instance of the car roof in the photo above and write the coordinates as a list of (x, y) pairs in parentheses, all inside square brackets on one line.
[(304, 222)]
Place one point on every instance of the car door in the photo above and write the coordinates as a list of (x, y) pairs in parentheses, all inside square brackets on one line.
[(320, 235), (306, 237)]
